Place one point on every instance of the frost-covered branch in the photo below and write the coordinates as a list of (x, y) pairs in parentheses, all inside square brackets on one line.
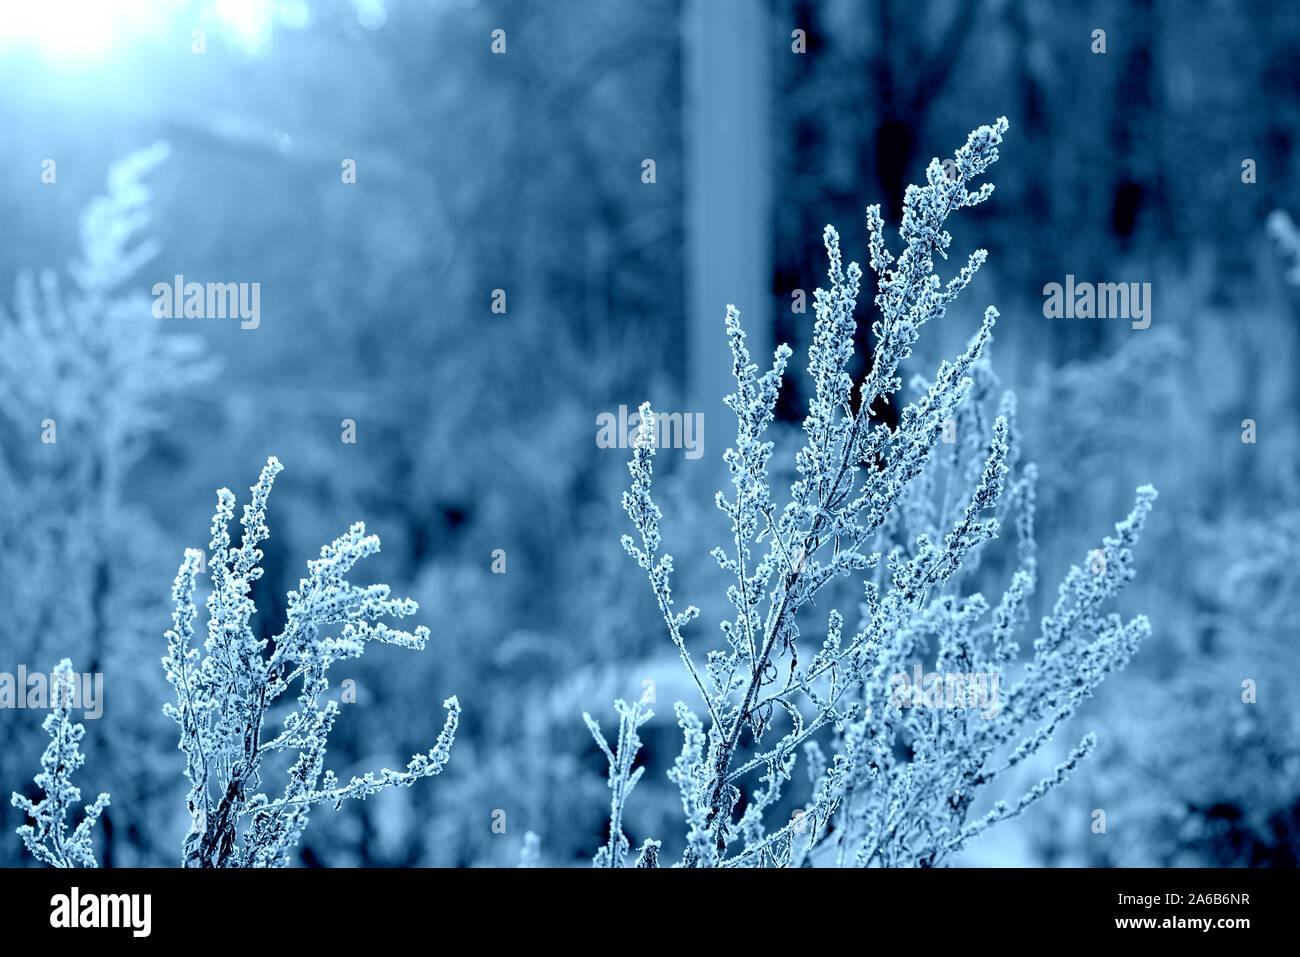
[(882, 505), (223, 697), (622, 779), (48, 840)]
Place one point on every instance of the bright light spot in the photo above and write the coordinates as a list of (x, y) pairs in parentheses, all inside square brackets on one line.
[(370, 13), (247, 21), (88, 32), (250, 24), (294, 14), (80, 30)]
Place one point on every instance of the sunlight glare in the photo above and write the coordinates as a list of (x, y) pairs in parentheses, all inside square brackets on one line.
[(79, 30)]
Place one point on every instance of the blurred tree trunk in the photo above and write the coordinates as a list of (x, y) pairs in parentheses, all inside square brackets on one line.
[(728, 190)]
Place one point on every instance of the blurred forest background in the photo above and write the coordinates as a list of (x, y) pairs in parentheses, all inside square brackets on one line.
[(524, 171)]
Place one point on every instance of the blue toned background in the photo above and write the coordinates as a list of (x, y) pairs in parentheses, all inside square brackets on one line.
[(518, 179)]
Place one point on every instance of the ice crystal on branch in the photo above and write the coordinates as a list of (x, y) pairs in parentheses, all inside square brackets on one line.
[(883, 506)]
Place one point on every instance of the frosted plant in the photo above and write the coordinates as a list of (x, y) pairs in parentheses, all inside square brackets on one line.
[(1287, 238), (81, 370), (88, 378), (48, 841), (867, 503), (223, 699), (531, 853), (622, 779)]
